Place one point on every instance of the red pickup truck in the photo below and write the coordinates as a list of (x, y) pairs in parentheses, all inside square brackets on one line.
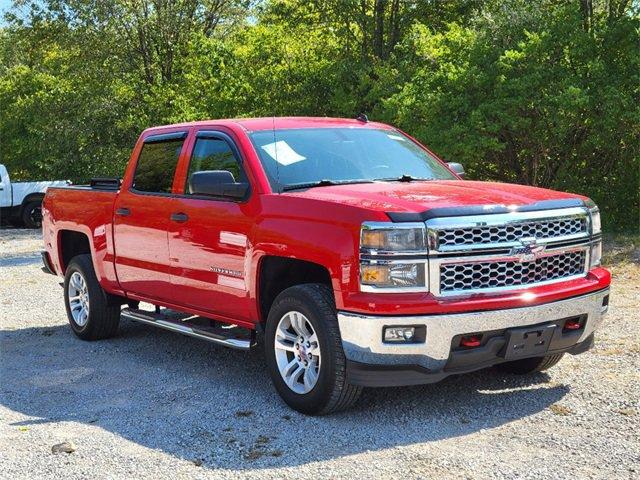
[(355, 254)]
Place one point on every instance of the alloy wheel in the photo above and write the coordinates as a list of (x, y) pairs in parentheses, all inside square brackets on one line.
[(78, 299), (297, 352)]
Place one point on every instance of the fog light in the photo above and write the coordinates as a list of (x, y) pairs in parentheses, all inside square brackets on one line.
[(404, 334), (399, 334)]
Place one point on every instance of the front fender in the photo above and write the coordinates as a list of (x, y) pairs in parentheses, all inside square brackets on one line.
[(328, 244)]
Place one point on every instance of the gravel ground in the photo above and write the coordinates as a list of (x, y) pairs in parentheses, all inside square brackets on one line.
[(152, 404)]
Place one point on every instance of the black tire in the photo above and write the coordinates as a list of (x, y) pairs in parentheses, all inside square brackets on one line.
[(104, 313), (32, 214), (331, 393), (530, 365)]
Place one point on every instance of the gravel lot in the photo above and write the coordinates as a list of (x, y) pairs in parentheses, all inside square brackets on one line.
[(152, 404)]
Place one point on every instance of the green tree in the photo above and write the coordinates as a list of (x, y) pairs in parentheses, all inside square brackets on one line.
[(553, 104), (544, 93)]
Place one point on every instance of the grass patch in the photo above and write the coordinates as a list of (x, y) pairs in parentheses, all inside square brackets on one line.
[(244, 413), (254, 454), (609, 352), (259, 449), (558, 409), (627, 412), (621, 249)]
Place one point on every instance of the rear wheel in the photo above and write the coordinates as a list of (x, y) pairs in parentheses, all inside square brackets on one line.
[(530, 365), (304, 351), (32, 214), (92, 313)]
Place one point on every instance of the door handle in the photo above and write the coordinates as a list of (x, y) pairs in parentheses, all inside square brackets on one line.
[(123, 212), (179, 217)]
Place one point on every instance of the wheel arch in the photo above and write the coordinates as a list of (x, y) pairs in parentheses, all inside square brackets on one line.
[(32, 197), (277, 273), (70, 244)]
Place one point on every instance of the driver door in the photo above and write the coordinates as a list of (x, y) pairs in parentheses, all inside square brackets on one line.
[(208, 236)]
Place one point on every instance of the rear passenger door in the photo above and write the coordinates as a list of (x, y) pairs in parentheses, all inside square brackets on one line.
[(141, 218)]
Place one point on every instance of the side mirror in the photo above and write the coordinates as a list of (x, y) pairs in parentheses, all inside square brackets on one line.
[(217, 183), (457, 168)]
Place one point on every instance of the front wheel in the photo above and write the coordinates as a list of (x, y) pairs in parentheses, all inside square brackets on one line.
[(91, 314), (304, 351)]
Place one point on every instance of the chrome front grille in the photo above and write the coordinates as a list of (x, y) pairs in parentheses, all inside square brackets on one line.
[(495, 234), (485, 232), (461, 277), (495, 252)]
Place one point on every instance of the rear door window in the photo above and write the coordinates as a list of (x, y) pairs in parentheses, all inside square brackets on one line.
[(157, 164)]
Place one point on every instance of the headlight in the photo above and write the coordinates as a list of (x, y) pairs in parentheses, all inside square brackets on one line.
[(595, 257), (400, 275), (596, 226), (594, 212), (392, 237), (382, 269)]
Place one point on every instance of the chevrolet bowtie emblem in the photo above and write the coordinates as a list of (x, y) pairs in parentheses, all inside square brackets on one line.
[(529, 251)]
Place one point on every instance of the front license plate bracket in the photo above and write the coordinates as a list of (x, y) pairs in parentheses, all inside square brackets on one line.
[(528, 341)]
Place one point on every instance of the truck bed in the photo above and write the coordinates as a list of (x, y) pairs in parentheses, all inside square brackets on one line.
[(85, 209)]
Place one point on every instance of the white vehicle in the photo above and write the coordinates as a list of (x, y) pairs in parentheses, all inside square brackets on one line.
[(21, 202)]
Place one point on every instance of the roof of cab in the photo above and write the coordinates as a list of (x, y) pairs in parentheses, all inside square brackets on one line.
[(268, 123)]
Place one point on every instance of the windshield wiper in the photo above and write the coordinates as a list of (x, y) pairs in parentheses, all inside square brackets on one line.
[(403, 178), (321, 183)]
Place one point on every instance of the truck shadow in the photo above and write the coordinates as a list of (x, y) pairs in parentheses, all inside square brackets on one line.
[(204, 403), (20, 260)]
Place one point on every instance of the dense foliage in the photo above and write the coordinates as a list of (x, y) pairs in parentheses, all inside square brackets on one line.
[(545, 93)]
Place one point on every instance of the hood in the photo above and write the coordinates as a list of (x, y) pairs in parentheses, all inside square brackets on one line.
[(422, 197)]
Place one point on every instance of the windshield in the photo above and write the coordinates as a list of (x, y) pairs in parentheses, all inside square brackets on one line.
[(342, 155)]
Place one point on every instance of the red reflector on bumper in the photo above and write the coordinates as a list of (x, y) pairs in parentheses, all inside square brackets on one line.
[(572, 326), (470, 341)]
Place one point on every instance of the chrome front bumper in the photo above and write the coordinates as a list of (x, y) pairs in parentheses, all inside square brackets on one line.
[(362, 334)]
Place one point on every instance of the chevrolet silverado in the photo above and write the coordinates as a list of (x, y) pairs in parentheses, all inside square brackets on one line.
[(354, 254)]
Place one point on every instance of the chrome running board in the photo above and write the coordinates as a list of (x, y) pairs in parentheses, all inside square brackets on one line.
[(198, 327)]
